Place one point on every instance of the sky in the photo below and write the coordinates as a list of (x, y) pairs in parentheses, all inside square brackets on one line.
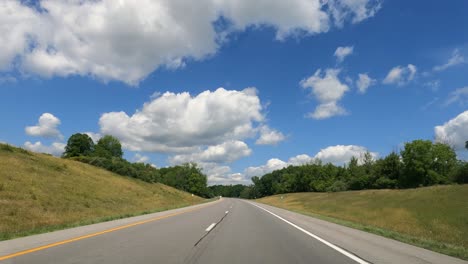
[(239, 87)]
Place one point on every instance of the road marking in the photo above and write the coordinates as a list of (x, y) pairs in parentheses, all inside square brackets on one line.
[(210, 227), (226, 212), (342, 251), (24, 252)]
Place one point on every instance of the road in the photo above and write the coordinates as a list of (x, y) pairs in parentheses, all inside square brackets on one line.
[(224, 231)]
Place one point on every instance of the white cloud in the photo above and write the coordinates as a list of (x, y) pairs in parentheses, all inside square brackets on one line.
[(181, 123), (271, 165), (46, 127), (222, 174), (327, 110), (328, 90), (341, 154), (356, 10), (342, 52), (269, 136), (127, 40), (456, 59), (94, 136), (140, 158), (364, 82), (55, 149), (400, 75), (460, 95), (454, 132), (226, 152), (301, 160)]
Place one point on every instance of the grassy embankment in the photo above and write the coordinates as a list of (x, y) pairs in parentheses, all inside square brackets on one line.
[(41, 193), (435, 217)]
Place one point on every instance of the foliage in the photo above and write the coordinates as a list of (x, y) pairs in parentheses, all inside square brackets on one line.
[(79, 145), (107, 154), (422, 163), (108, 146)]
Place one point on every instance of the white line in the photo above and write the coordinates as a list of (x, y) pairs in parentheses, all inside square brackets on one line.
[(210, 227), (344, 252)]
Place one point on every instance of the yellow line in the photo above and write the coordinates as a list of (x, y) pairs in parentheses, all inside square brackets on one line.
[(24, 252)]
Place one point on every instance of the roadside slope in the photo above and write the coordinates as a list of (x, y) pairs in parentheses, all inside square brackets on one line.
[(39, 193), (433, 217)]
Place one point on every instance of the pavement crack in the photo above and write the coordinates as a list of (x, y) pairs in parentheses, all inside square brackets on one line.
[(207, 233)]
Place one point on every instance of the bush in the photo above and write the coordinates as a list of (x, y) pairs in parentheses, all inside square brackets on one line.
[(338, 186)]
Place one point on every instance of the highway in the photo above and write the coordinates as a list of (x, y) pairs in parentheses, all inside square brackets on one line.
[(224, 231)]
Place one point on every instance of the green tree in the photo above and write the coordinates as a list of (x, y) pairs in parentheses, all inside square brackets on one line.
[(108, 147), (444, 160), (426, 163), (79, 145)]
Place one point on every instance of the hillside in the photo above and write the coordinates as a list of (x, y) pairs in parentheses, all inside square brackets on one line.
[(433, 217), (39, 193)]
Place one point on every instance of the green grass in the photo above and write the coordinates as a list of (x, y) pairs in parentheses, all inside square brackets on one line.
[(435, 218), (40, 193)]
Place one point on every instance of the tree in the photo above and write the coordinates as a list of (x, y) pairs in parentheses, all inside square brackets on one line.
[(108, 147), (79, 145), (426, 163), (444, 160)]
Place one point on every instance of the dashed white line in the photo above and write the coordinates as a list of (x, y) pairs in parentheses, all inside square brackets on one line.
[(344, 252), (210, 227)]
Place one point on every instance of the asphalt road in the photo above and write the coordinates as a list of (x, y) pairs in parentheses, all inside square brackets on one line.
[(226, 231)]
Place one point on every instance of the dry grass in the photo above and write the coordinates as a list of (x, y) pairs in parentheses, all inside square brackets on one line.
[(40, 193), (433, 217)]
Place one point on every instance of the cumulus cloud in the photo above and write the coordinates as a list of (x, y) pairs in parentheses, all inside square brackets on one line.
[(400, 75), (456, 59), (328, 90), (454, 132), (342, 52), (127, 40), (269, 136), (46, 127), (182, 123), (140, 158), (460, 96), (271, 165), (364, 82), (94, 136), (341, 154), (222, 174), (55, 149), (223, 153)]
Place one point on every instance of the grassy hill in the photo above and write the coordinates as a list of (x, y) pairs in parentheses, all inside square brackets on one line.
[(435, 217), (39, 193)]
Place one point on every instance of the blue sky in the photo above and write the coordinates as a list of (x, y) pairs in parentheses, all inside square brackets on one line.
[(87, 68)]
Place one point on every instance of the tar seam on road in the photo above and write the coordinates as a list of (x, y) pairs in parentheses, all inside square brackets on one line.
[(339, 249), (209, 231), (27, 251)]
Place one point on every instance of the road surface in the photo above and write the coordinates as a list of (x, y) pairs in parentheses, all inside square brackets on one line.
[(224, 231)]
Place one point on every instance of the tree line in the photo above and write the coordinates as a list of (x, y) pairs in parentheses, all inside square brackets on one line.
[(420, 163), (107, 153)]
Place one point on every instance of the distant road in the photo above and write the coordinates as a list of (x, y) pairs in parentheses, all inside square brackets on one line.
[(225, 231)]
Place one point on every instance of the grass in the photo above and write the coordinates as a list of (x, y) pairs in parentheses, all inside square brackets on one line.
[(435, 218), (40, 193)]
